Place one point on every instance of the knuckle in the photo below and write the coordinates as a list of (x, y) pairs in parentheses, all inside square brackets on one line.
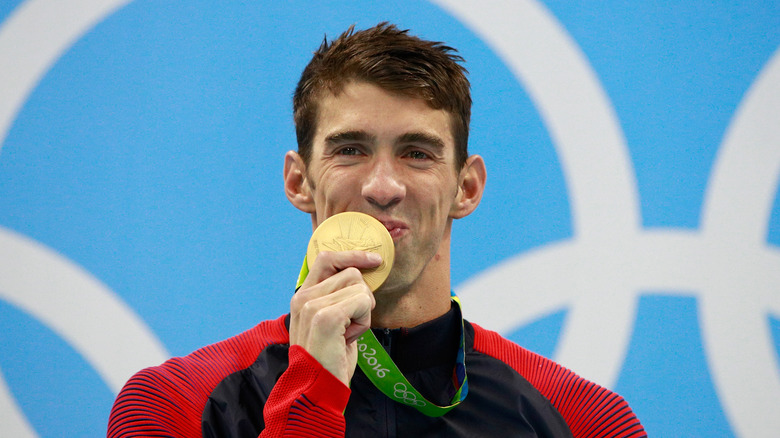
[(353, 274), (328, 257), (298, 300), (328, 317), (366, 299), (308, 308), (301, 305)]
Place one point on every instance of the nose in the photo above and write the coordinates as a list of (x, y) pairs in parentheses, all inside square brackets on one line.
[(383, 186)]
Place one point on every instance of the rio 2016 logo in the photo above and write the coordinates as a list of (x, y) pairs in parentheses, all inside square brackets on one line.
[(369, 354), (597, 274)]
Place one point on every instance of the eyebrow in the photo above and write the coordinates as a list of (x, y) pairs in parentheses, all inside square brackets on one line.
[(423, 138), (347, 136), (364, 137)]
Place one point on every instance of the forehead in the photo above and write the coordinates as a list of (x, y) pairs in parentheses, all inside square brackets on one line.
[(364, 107)]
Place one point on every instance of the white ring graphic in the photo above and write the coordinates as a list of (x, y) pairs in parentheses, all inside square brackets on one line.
[(81, 310), (728, 266), (402, 393), (86, 314), (598, 173), (57, 24), (745, 288)]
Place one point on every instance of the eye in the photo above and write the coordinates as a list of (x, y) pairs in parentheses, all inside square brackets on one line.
[(417, 155), (349, 150)]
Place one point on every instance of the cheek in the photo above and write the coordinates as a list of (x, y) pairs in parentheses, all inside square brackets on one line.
[(336, 192), (444, 198), (432, 215)]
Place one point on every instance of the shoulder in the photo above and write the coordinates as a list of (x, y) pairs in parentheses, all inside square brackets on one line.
[(219, 359), (589, 409), (176, 391), (540, 371)]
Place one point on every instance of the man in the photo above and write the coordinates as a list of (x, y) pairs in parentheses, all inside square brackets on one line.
[(382, 124)]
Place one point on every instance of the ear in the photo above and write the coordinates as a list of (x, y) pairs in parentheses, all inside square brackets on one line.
[(471, 185), (296, 184)]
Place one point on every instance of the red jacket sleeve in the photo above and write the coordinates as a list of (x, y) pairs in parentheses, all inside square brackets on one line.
[(307, 401), (168, 400), (591, 411)]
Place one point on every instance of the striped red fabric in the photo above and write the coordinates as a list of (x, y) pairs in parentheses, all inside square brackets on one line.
[(591, 411), (306, 407), (167, 401)]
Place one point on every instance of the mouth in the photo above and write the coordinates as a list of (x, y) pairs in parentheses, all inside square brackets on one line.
[(396, 228)]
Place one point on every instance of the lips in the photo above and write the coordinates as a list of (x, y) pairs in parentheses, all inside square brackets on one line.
[(394, 227)]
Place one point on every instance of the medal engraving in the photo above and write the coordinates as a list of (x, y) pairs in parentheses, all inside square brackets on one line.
[(355, 231)]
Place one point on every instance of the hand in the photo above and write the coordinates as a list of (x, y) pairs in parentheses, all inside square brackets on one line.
[(332, 309)]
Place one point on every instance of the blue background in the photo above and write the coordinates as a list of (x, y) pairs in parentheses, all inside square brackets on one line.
[(151, 155)]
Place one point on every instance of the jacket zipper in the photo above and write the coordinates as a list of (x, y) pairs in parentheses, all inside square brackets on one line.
[(390, 425)]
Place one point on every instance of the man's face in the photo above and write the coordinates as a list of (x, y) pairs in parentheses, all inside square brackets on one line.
[(391, 157)]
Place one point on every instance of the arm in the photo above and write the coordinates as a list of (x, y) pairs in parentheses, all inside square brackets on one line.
[(327, 315), (288, 393), (588, 409), (332, 309), (329, 312), (151, 404), (292, 388), (169, 400), (307, 401)]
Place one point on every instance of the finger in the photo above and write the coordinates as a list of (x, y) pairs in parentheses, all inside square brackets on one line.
[(329, 263), (339, 287), (329, 334), (344, 314), (340, 280)]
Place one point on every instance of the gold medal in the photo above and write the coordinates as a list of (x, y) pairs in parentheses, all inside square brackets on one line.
[(355, 231)]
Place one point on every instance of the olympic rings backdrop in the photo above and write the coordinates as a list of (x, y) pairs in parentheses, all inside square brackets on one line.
[(630, 228)]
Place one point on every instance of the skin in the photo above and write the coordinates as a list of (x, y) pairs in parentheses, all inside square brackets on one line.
[(392, 157)]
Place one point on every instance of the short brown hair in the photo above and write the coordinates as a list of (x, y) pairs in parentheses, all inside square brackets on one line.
[(394, 61)]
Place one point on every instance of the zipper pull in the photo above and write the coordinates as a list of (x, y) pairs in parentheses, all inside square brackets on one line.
[(386, 339)]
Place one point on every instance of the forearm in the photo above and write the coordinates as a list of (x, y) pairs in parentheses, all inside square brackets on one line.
[(307, 401)]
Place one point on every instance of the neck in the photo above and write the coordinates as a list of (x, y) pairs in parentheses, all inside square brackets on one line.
[(403, 311)]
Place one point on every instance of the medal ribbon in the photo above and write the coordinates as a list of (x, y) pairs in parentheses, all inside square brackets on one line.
[(380, 369)]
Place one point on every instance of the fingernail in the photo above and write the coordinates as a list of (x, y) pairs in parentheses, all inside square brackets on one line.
[(374, 257)]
